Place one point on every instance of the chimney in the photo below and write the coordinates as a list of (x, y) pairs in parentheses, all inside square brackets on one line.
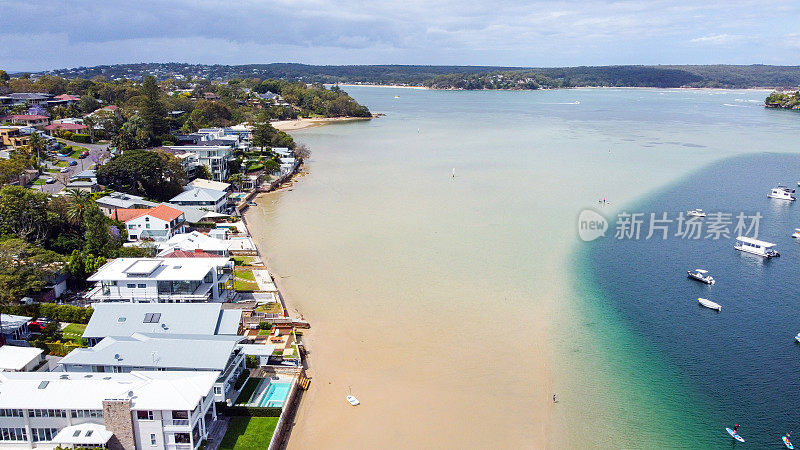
[(118, 420)]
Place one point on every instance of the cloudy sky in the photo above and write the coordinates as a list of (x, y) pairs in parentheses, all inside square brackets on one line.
[(50, 34)]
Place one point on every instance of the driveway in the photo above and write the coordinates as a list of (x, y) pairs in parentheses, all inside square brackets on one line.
[(97, 153)]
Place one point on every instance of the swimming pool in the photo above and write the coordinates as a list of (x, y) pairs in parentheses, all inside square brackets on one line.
[(274, 395)]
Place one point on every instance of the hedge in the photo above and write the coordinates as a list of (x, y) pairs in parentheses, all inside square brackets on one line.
[(60, 313), (249, 411), (81, 138)]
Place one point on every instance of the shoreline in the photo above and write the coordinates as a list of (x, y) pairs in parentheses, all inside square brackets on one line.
[(300, 124)]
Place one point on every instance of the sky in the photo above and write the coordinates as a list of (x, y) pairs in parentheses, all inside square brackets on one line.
[(53, 34)]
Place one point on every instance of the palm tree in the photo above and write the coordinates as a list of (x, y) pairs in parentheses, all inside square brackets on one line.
[(90, 122), (78, 202)]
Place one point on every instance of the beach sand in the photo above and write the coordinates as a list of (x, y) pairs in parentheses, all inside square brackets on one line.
[(299, 124)]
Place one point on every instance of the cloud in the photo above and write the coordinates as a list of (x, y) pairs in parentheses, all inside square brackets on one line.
[(46, 35), (717, 39)]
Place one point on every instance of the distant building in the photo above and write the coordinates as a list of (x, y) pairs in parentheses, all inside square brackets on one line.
[(24, 98), (29, 120), (66, 126), (13, 137), (159, 280), (215, 157), (14, 327), (121, 200)]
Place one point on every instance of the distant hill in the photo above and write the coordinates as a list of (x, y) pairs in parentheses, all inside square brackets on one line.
[(467, 77)]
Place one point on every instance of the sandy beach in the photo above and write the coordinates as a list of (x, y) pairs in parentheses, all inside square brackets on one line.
[(299, 124)]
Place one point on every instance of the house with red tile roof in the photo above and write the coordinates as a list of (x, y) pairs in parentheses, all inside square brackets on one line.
[(154, 224), (73, 127), (30, 120)]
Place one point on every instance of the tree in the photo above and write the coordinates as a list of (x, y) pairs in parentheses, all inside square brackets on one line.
[(203, 172), (99, 239), (12, 168), (36, 145), (77, 203), (4, 76), (23, 213), (90, 122), (132, 135), (154, 174), (153, 112), (24, 269)]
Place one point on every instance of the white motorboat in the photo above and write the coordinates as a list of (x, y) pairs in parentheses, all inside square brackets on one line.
[(797, 338), (701, 275), (709, 304), (696, 213), (796, 233), (781, 193), (352, 400), (756, 247)]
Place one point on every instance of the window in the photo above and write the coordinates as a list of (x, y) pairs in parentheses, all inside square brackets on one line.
[(141, 286), (47, 413), (10, 413), (147, 225), (144, 415), (152, 318), (132, 236), (43, 434), (131, 285), (84, 413), (16, 434), (217, 390), (180, 414), (147, 219), (180, 438), (153, 441)]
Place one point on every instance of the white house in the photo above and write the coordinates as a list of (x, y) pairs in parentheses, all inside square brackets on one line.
[(14, 327), (209, 199), (120, 200), (136, 410), (159, 351), (20, 359), (190, 242), (215, 157), (158, 223), (163, 280), (210, 184), (127, 319)]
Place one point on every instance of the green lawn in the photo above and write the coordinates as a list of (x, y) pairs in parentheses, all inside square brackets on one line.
[(270, 308), (249, 386), (74, 332), (249, 433), (242, 260), (245, 275), (38, 182), (245, 281), (61, 163)]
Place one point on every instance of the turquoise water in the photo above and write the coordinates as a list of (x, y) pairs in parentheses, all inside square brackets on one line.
[(275, 395), (445, 282)]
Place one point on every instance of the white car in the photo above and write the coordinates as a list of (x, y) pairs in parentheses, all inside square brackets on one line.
[(64, 170)]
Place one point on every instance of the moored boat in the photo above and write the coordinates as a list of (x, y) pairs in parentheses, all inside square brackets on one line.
[(701, 275), (709, 304), (696, 213), (756, 247), (781, 193), (796, 233)]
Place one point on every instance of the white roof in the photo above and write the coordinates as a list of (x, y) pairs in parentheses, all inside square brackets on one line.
[(750, 240), (122, 200), (16, 358), (10, 322), (257, 349), (85, 433), (199, 194), (147, 390), (151, 351), (209, 184), (175, 269), (194, 241), (125, 319)]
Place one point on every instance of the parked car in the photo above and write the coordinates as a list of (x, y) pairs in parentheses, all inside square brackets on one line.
[(73, 163), (49, 180), (81, 156), (64, 170)]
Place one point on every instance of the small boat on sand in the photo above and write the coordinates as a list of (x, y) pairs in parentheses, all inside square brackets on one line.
[(709, 304), (701, 275), (353, 401)]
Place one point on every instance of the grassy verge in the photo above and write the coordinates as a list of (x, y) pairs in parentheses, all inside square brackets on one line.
[(242, 260), (249, 433), (38, 182), (74, 332), (245, 281), (270, 308)]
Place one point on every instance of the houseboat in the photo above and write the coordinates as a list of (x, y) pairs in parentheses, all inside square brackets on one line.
[(756, 247), (781, 193)]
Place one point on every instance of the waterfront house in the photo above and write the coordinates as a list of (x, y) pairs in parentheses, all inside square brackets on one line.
[(197, 241), (160, 280), (127, 319), (215, 157), (203, 198), (20, 359), (157, 224), (142, 409), (159, 351), (209, 184), (120, 200)]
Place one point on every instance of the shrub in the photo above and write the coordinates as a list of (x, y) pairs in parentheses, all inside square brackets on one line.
[(264, 325), (82, 138), (251, 361)]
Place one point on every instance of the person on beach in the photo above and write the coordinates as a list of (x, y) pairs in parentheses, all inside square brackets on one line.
[(554, 398)]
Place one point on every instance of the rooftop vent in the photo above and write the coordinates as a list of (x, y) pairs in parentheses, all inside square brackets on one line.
[(116, 356), (121, 319), (130, 393)]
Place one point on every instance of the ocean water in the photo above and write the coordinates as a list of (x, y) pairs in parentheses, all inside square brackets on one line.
[(455, 307), (741, 365)]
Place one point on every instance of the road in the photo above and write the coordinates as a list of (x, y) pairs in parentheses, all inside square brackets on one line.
[(97, 153)]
